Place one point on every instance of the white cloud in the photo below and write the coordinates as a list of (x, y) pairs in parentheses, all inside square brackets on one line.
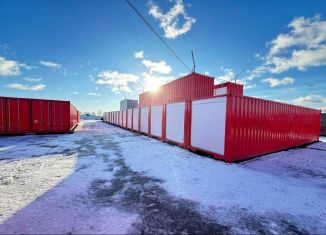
[(307, 32), (299, 59), (170, 21), (229, 76), (50, 64), (273, 82), (155, 76), (75, 92), (139, 54), (11, 67), (93, 94), (118, 81), (26, 87), (29, 79), (159, 67), (303, 46), (316, 99), (97, 101)]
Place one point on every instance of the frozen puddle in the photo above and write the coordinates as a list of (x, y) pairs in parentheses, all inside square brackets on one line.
[(103, 179)]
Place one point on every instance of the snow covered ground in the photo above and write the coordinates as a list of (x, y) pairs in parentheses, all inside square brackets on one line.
[(322, 138), (104, 179)]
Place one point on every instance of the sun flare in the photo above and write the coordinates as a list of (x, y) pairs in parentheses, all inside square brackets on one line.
[(153, 86)]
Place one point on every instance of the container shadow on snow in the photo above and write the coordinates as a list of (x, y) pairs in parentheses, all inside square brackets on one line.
[(101, 179), (138, 194)]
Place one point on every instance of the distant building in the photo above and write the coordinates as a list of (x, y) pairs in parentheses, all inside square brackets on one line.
[(128, 104), (323, 124)]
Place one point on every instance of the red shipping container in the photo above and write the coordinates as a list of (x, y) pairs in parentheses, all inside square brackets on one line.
[(189, 87), (234, 128), (14, 115), (256, 126), (53, 116), (21, 116), (74, 116), (227, 125)]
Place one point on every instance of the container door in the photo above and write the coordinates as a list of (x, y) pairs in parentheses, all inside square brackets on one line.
[(45, 116), (156, 120), (124, 121), (129, 118), (120, 118), (24, 115), (56, 116), (135, 118), (67, 116), (144, 119), (208, 124), (175, 121), (36, 116), (14, 115)]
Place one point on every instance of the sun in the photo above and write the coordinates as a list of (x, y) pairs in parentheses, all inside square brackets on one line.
[(152, 86)]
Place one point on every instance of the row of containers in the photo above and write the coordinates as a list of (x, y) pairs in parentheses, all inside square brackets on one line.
[(23, 116), (229, 126)]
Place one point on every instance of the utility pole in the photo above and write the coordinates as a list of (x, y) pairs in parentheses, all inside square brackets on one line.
[(193, 62), (141, 86), (236, 76)]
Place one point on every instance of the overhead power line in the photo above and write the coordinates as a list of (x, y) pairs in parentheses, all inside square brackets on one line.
[(157, 35)]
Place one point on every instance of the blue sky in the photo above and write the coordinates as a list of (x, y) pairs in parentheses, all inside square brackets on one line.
[(96, 52)]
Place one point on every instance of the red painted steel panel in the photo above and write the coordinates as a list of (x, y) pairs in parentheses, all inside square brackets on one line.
[(53, 116), (41, 115), (15, 117), (187, 88), (2, 116), (253, 126), (59, 117), (21, 116), (256, 126), (74, 116)]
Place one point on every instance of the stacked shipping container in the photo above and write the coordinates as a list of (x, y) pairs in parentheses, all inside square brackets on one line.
[(229, 126), (21, 116), (189, 87)]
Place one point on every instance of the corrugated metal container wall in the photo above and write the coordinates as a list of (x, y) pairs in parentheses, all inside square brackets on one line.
[(74, 116), (21, 116), (189, 87), (256, 126), (51, 116), (229, 126), (2, 116), (14, 115), (42, 116)]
